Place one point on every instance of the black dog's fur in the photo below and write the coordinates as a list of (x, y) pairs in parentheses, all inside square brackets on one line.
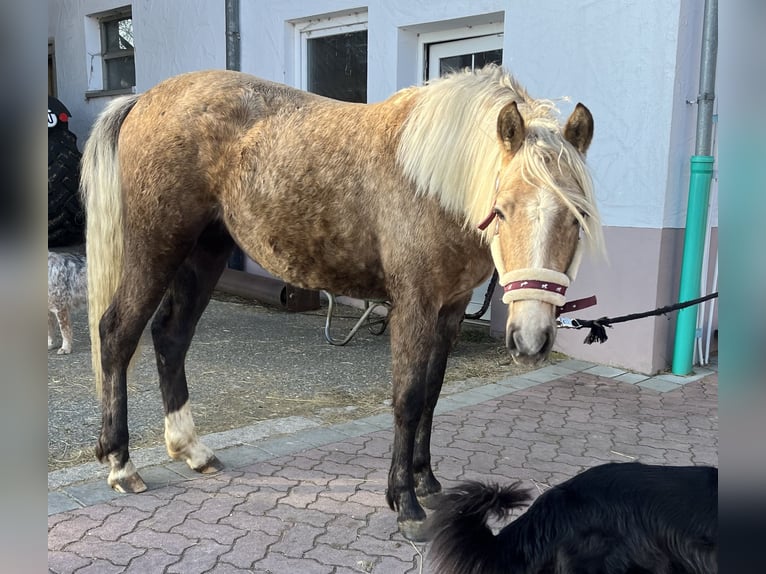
[(626, 518)]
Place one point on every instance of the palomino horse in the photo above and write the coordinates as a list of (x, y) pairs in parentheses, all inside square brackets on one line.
[(377, 201)]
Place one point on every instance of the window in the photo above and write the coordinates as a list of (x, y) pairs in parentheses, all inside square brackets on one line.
[(111, 58), (332, 54), (117, 54)]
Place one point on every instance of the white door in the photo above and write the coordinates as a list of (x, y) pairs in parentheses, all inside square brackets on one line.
[(444, 57)]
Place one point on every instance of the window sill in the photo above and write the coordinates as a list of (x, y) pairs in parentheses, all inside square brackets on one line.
[(106, 93)]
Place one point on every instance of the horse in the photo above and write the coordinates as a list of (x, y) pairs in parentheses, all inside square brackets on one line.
[(374, 201)]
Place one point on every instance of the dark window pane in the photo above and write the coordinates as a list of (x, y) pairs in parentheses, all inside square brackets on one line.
[(454, 64), (120, 73), (481, 59), (337, 66), (118, 35)]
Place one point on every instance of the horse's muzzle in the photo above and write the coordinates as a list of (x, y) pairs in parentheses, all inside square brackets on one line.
[(531, 331)]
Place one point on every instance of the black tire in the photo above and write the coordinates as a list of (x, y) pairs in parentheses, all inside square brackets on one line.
[(66, 218)]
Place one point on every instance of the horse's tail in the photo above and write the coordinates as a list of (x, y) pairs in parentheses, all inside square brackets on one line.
[(461, 541), (101, 192)]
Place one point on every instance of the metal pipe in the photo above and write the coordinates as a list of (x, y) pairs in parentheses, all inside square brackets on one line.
[(706, 97), (234, 62), (699, 194), (264, 289), (233, 50)]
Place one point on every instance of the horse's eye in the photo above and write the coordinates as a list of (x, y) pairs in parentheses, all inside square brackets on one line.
[(584, 215), (499, 214)]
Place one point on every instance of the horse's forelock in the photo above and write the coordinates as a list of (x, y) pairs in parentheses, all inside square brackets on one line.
[(545, 148)]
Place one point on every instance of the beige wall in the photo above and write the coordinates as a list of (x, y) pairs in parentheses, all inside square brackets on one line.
[(642, 274)]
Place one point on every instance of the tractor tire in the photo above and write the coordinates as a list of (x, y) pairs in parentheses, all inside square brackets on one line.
[(66, 218)]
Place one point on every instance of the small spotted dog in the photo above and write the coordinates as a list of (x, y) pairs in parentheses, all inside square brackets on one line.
[(67, 290)]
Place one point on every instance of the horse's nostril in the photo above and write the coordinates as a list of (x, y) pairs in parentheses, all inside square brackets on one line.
[(510, 339)]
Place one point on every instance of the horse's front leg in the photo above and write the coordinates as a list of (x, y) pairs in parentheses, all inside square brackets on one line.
[(412, 335), (447, 329)]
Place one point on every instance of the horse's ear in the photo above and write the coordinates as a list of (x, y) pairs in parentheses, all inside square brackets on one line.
[(579, 128), (510, 127)]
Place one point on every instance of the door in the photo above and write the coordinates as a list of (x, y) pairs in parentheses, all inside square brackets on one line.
[(444, 57)]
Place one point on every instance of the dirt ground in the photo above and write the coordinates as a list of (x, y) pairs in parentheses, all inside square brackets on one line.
[(249, 363)]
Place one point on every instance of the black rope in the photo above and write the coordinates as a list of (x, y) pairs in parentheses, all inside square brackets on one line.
[(598, 326), (487, 298)]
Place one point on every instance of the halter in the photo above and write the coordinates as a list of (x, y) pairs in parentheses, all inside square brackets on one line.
[(540, 284)]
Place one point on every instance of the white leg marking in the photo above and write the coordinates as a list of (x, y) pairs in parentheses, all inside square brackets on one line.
[(181, 439), (116, 475)]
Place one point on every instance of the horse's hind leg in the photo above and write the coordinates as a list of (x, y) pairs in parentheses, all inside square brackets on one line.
[(172, 330), (140, 290), (450, 318)]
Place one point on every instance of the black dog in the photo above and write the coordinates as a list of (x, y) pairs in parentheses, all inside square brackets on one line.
[(626, 518)]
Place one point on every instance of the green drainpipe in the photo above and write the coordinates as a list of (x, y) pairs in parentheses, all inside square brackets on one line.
[(699, 194), (691, 267)]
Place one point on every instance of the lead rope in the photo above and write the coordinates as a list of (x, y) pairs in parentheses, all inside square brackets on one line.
[(598, 326)]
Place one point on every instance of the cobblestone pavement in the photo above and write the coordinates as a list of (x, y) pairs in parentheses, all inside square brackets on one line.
[(312, 501)]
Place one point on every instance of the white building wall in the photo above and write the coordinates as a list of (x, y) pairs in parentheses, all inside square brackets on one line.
[(634, 63)]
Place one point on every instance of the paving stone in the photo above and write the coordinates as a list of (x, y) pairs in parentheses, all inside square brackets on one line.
[(198, 558), (604, 371), (658, 384), (65, 562), (631, 378), (242, 455), (389, 564), (328, 555), (118, 524), (576, 364), (221, 533), (518, 382), (169, 516), (72, 530), (61, 502), (249, 548), (280, 563), (146, 501), (171, 543), (118, 553), (216, 507), (226, 568), (91, 493), (152, 561), (101, 567)]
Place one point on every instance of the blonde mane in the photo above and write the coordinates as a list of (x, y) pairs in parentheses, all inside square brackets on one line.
[(450, 149)]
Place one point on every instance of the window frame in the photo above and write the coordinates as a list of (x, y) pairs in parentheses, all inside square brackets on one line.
[(439, 50), (426, 39)]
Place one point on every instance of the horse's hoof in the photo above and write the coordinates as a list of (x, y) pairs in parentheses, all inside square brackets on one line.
[(430, 501), (413, 530), (211, 466), (127, 484)]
